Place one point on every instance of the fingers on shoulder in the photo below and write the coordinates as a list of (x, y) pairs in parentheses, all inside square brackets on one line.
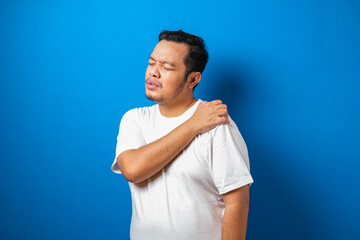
[(216, 102), (221, 120), (219, 104)]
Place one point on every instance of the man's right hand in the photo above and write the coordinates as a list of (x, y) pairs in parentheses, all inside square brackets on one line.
[(208, 115)]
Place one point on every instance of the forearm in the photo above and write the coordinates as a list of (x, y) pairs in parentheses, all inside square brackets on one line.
[(139, 164)]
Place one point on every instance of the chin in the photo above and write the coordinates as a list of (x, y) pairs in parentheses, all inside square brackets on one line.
[(153, 98)]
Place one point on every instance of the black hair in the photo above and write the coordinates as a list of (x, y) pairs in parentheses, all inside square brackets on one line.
[(197, 57)]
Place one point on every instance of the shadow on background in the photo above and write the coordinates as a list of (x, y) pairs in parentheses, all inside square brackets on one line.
[(276, 207)]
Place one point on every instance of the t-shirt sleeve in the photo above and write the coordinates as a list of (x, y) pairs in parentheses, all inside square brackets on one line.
[(129, 137), (230, 166)]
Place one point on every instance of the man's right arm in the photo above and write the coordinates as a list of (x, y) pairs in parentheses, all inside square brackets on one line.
[(139, 164)]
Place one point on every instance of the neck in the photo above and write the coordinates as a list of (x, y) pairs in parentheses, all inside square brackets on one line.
[(178, 108)]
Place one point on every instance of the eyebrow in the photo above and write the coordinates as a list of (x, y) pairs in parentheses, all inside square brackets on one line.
[(163, 62)]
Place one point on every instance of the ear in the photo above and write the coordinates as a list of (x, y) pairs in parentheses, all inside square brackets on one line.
[(193, 79)]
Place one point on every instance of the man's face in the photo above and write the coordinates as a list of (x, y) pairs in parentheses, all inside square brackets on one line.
[(164, 79)]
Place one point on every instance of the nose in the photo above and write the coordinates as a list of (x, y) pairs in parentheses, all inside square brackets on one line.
[(153, 70)]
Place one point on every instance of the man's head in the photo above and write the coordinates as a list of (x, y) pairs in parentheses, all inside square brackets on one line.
[(197, 57), (175, 67)]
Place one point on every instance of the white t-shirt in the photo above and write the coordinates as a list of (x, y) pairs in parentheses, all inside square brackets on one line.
[(183, 201)]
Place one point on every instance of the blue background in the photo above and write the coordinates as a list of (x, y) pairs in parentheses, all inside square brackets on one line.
[(288, 70)]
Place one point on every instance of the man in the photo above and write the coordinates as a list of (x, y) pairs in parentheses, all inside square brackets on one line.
[(185, 160)]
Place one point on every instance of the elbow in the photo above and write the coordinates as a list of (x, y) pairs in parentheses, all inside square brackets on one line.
[(131, 176), (129, 169)]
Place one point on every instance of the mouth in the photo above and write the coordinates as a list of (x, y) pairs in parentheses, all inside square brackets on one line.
[(151, 85)]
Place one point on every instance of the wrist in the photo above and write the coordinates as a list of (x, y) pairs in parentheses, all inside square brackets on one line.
[(190, 125)]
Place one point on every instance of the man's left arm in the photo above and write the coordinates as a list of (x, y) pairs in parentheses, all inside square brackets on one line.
[(236, 214)]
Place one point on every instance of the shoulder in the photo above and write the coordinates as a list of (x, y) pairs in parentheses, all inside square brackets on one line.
[(223, 133), (228, 136), (224, 129)]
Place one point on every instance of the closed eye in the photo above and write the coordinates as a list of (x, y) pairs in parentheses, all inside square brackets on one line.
[(168, 66)]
